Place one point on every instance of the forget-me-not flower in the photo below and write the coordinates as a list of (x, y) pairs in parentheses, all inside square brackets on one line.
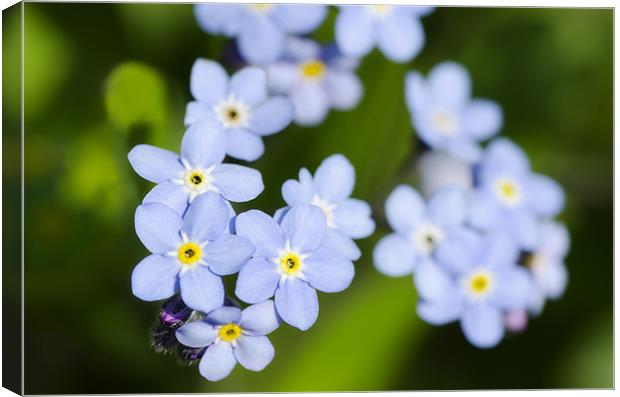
[(240, 104), (232, 336), (199, 169), (395, 30), (474, 279), (188, 254), (441, 169), (444, 114), (546, 264), (260, 29), (330, 190), (510, 195), (291, 263), (419, 227), (315, 79)]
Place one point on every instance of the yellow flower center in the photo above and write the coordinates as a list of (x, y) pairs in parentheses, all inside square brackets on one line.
[(229, 332), (379, 9), (232, 113), (313, 69), (480, 283), (260, 7), (508, 191), (290, 263), (189, 253), (195, 178)]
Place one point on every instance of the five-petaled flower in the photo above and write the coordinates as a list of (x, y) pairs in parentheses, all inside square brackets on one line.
[(231, 335), (240, 104), (188, 254), (330, 190), (199, 169), (291, 263)]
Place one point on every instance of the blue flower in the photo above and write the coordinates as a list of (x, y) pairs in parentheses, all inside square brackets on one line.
[(188, 254), (419, 227), (444, 114), (291, 263), (315, 80), (330, 190), (396, 30), (440, 169), (509, 195), (240, 104), (232, 336), (180, 179), (260, 29), (546, 264), (474, 279)]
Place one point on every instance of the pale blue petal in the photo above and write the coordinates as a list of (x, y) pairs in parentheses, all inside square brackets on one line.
[(155, 278), (450, 84), (196, 334), (311, 104), (262, 230), (483, 325), (304, 226), (334, 178), (440, 169), (224, 315), (260, 319), (342, 243), (208, 81), (249, 85), (155, 164), (293, 192), (279, 214), (172, 194), (328, 270), (281, 77), (219, 18), (300, 19), (441, 312), (460, 250), (526, 230), (254, 352), (354, 31), (514, 288), (463, 149), (204, 144), (404, 209), (422, 11), (394, 256), (400, 37), (504, 156), (196, 112), (352, 216), (299, 49), (260, 40), (244, 145), (217, 362), (484, 210), (297, 304), (555, 239), (501, 249), (237, 183), (545, 195), (554, 280), (482, 119), (448, 206), (271, 116), (228, 254), (416, 92), (257, 280), (206, 218), (344, 89), (433, 282), (157, 227), (201, 289)]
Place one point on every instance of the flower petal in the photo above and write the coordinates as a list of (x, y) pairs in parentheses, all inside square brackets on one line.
[(400, 37), (249, 85), (271, 116), (394, 256), (196, 334), (155, 164), (157, 227), (171, 194), (482, 325), (204, 144), (545, 195), (344, 89), (304, 226), (206, 218), (254, 352), (244, 145), (460, 250), (237, 183), (334, 178), (201, 289), (514, 288), (262, 230), (503, 155), (352, 216), (450, 84), (328, 270), (257, 280), (433, 282), (297, 303), (208, 81), (482, 119), (311, 104), (448, 206), (260, 40), (224, 315), (294, 192), (443, 311), (300, 18), (260, 319), (404, 208), (342, 243), (228, 254), (354, 31), (217, 362), (196, 111), (155, 278)]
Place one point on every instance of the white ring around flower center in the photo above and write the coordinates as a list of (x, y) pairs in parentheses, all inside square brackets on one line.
[(327, 208), (479, 284), (508, 191), (232, 113), (445, 123), (426, 236)]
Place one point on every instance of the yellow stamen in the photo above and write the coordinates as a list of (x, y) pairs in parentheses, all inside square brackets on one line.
[(290, 263), (313, 69), (480, 283), (189, 253), (229, 332)]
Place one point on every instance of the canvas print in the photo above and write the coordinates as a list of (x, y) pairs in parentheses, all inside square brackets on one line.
[(224, 197)]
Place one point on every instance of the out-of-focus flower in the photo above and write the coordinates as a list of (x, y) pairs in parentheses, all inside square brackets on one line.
[(546, 264), (516, 320), (419, 228), (330, 190), (440, 169), (508, 195), (474, 279), (444, 114), (395, 30), (240, 104), (260, 29), (291, 263), (232, 336), (199, 169), (315, 80), (188, 254)]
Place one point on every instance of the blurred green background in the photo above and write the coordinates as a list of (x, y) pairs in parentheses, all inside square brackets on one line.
[(100, 78)]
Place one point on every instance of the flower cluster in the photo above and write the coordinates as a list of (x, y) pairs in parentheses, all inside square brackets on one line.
[(483, 246)]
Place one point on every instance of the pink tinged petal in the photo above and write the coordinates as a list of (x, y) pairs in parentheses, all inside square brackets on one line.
[(260, 319), (157, 227), (394, 256), (328, 271), (334, 178), (354, 31), (297, 303), (171, 194), (483, 325), (237, 183), (344, 89), (263, 231), (404, 209), (208, 81), (155, 278), (228, 254), (254, 352), (271, 116), (244, 145), (196, 334), (197, 111), (305, 227), (155, 164), (217, 362), (450, 83), (400, 37), (204, 144), (257, 280), (201, 289), (249, 85)]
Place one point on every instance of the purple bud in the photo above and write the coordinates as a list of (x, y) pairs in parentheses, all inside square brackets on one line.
[(516, 320), (174, 312)]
